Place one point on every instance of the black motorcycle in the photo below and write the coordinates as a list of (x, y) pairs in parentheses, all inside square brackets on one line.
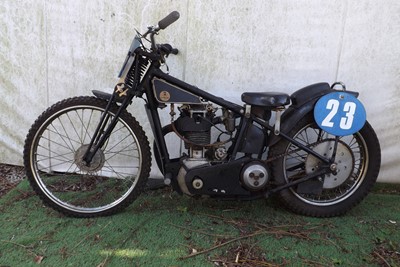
[(87, 156)]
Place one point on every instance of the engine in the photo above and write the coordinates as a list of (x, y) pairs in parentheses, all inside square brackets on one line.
[(194, 125)]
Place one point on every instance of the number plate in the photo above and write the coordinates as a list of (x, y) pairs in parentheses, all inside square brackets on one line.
[(340, 114)]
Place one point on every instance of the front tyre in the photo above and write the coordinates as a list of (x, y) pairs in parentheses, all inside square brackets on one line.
[(358, 159), (53, 159)]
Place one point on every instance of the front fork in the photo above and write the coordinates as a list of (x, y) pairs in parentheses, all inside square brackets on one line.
[(105, 127)]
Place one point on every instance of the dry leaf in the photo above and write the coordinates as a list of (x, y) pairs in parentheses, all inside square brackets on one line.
[(39, 259)]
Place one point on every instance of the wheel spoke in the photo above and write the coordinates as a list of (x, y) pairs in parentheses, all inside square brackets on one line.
[(65, 180), (295, 163)]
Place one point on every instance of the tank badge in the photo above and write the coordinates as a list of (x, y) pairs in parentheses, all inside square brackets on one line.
[(165, 96)]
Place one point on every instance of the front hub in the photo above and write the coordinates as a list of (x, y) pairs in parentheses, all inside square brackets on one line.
[(95, 165)]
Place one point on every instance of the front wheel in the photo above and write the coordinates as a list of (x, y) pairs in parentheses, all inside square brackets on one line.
[(53, 158), (358, 160)]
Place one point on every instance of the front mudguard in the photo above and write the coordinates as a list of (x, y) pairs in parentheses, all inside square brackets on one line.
[(303, 102)]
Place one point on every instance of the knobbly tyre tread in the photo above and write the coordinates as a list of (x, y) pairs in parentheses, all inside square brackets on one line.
[(127, 117), (298, 206)]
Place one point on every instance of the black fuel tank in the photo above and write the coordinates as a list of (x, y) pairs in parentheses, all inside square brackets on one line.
[(166, 92)]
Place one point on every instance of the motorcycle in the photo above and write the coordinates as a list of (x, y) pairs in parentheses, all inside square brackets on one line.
[(88, 156)]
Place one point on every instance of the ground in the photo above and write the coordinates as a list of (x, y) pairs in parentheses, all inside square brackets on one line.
[(163, 228), (10, 176)]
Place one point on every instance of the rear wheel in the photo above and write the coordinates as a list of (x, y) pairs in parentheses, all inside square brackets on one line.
[(357, 159), (53, 158)]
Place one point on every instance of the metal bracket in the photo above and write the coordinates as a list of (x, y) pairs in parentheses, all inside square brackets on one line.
[(119, 89), (247, 111), (339, 83), (277, 129)]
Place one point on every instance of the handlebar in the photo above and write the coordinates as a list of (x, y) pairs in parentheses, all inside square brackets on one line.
[(168, 20), (168, 49)]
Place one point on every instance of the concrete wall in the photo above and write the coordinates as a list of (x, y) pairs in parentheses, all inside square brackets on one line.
[(55, 49)]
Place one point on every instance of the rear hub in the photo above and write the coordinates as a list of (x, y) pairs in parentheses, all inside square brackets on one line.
[(341, 168)]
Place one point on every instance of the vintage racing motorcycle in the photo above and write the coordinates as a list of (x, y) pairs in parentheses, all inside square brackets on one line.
[(88, 156)]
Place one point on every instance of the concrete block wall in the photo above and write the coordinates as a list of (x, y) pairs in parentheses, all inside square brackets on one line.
[(50, 50)]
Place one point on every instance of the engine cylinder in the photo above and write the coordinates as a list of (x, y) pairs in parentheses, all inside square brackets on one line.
[(194, 125), (198, 138)]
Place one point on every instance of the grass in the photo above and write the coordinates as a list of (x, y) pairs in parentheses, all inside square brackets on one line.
[(164, 229)]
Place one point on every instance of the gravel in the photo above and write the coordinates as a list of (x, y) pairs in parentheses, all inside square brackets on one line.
[(10, 176)]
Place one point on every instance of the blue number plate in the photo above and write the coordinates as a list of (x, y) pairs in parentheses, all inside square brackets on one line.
[(340, 114)]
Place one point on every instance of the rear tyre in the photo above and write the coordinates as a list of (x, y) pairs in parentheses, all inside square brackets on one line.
[(358, 160), (53, 158)]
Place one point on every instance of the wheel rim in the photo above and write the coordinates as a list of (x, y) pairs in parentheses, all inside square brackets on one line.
[(334, 191), (57, 167)]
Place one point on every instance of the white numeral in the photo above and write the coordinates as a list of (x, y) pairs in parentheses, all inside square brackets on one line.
[(350, 109), (333, 105), (345, 122)]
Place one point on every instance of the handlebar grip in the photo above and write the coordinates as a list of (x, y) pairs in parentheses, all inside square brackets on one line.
[(174, 51), (168, 20), (168, 49)]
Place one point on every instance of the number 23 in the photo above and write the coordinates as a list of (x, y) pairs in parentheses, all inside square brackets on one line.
[(345, 122)]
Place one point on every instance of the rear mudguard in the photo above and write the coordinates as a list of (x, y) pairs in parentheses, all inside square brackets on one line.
[(303, 102)]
